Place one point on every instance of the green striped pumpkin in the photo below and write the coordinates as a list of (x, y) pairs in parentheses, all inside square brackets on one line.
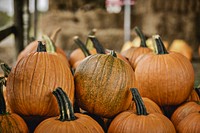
[(102, 85)]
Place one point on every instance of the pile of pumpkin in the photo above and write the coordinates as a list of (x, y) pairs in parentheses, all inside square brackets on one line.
[(99, 90)]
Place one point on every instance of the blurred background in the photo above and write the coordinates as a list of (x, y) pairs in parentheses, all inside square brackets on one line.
[(113, 19)]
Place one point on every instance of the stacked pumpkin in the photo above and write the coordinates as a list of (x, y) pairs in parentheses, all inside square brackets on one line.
[(106, 93)]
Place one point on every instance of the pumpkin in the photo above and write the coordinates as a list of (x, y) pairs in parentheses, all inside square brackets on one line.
[(141, 121), (195, 95), (181, 46), (133, 52), (33, 78), (183, 111), (165, 77), (68, 122), (102, 85), (150, 105), (9, 122), (190, 124)]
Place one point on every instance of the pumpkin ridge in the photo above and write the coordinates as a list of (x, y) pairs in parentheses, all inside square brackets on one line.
[(101, 77), (41, 85), (182, 64), (11, 117)]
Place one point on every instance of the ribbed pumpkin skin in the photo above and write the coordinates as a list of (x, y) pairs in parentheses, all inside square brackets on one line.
[(166, 79), (128, 122), (12, 123), (183, 111), (32, 80), (190, 124), (102, 85), (150, 105), (133, 52), (83, 124), (193, 96)]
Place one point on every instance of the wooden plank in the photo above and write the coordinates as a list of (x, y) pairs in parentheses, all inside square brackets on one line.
[(18, 22), (6, 31)]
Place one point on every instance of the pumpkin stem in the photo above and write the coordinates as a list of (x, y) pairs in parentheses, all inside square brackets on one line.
[(6, 69), (140, 107), (98, 46), (55, 33), (81, 46), (142, 37), (50, 46), (112, 52), (89, 44), (159, 45), (2, 100), (41, 47), (66, 108)]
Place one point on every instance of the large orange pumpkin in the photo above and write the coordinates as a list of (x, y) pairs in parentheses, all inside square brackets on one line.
[(9, 122), (32, 80), (68, 122), (165, 77), (141, 121), (102, 85)]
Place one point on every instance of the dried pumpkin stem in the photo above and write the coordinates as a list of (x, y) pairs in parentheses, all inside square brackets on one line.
[(68, 108), (50, 46), (81, 46), (98, 46), (159, 44), (6, 69), (61, 106), (55, 33), (89, 44), (112, 52), (140, 107), (2, 100), (142, 37), (41, 47)]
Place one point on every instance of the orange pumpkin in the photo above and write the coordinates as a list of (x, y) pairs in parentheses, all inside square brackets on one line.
[(9, 122), (195, 95), (140, 122), (68, 122), (134, 52), (183, 111), (165, 77), (32, 80), (102, 85)]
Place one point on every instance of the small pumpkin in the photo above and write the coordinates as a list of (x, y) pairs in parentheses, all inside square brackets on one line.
[(141, 121), (183, 111), (165, 77), (134, 52), (9, 122), (195, 95), (68, 122), (102, 84), (181, 46), (33, 78)]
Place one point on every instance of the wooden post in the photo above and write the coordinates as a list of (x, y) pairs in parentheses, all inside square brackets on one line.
[(35, 19), (18, 23)]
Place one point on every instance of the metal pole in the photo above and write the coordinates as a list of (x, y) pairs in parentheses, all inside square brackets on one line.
[(127, 20), (35, 19)]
